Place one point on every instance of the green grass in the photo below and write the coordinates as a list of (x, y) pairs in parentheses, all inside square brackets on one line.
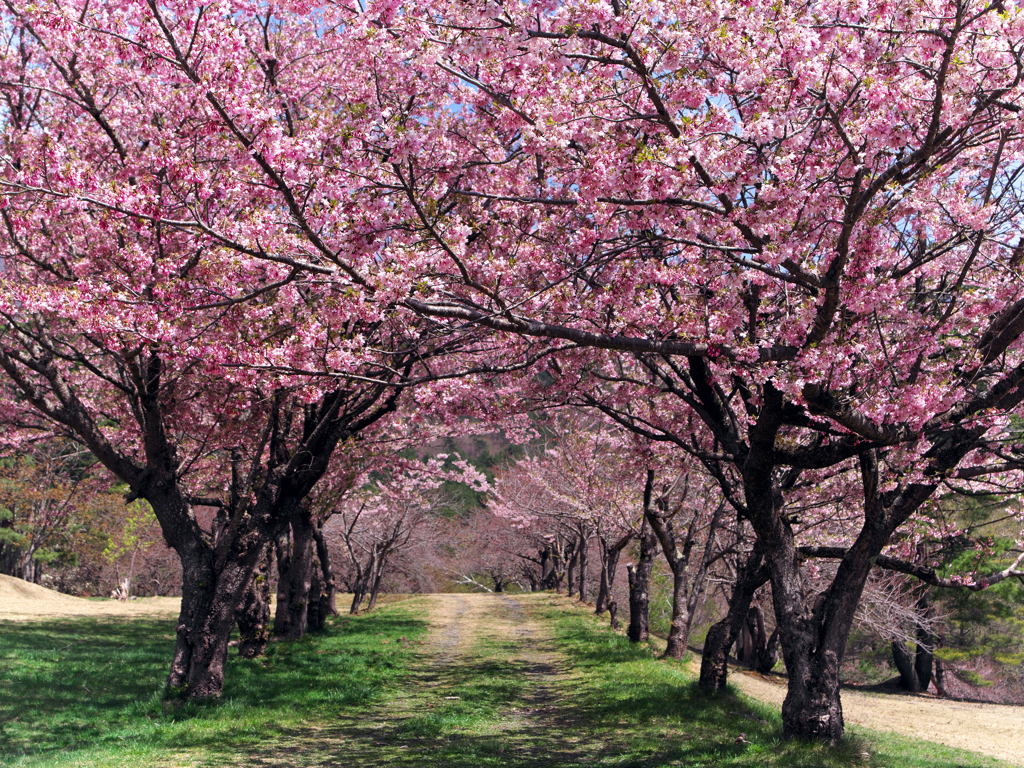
[(88, 692), (653, 709)]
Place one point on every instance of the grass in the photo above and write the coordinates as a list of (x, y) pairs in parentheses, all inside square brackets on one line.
[(88, 691), (655, 711), (550, 687)]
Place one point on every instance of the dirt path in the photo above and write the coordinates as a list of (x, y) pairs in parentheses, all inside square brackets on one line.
[(991, 729), (490, 641)]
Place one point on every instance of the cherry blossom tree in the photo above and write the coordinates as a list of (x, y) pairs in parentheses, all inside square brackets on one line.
[(798, 223), (129, 339), (795, 224), (583, 483)]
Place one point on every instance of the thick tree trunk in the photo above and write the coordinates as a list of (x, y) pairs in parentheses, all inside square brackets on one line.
[(613, 613), (813, 641), (679, 631), (927, 640), (209, 602), (905, 666), (254, 613), (640, 585), (714, 662), (295, 578), (916, 670)]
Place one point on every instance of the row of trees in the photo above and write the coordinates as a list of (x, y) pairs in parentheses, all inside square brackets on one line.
[(777, 243), (907, 606)]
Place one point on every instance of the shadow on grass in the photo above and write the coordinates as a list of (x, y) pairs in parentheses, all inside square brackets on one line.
[(89, 685), (653, 711)]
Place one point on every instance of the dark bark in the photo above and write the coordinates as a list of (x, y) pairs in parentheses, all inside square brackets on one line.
[(550, 563), (714, 663), (501, 580), (327, 568), (639, 586), (291, 452), (610, 554), (254, 614), (916, 670), (613, 613), (574, 557), (378, 579), (768, 654), (939, 679), (584, 550), (317, 612), (212, 591), (927, 640), (295, 575), (677, 554), (905, 666), (362, 583), (813, 641), (754, 647)]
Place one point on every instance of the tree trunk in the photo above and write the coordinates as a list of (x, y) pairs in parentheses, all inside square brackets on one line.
[(209, 602), (378, 578), (324, 555), (571, 571), (639, 586), (677, 554), (679, 632), (584, 550), (548, 570), (317, 612), (362, 583), (905, 666), (916, 671), (295, 579), (813, 641), (609, 564), (714, 662), (927, 640), (613, 613), (254, 613), (283, 556), (678, 559), (768, 655)]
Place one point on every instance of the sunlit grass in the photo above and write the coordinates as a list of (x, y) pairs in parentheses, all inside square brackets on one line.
[(88, 691)]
